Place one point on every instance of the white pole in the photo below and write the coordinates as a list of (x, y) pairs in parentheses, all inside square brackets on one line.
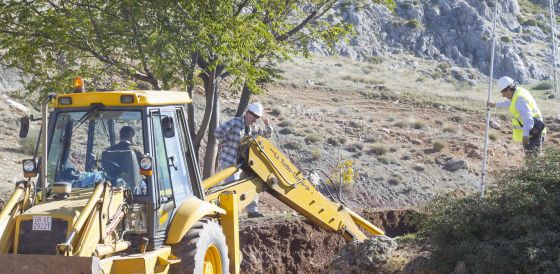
[(553, 43), (491, 80)]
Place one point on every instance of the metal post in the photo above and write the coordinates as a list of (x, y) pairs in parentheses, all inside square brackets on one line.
[(491, 80), (45, 139), (553, 43)]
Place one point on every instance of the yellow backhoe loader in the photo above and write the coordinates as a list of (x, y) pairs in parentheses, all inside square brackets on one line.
[(115, 188)]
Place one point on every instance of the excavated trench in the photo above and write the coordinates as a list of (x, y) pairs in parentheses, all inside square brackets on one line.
[(290, 244)]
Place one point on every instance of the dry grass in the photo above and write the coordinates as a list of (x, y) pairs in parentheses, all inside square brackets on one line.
[(378, 149), (363, 80), (450, 129), (439, 145), (315, 154)]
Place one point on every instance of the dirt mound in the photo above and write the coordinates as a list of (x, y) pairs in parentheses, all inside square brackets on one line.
[(363, 257), (286, 245), (290, 244)]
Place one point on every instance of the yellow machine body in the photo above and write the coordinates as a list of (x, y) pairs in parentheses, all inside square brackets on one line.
[(90, 228)]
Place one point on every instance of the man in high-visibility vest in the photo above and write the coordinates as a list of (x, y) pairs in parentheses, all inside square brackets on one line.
[(524, 109)]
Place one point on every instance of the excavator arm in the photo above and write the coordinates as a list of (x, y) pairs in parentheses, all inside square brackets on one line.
[(271, 171)]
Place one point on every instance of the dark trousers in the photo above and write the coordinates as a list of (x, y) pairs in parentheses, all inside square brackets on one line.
[(534, 147)]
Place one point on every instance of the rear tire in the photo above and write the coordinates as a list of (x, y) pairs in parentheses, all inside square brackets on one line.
[(203, 250)]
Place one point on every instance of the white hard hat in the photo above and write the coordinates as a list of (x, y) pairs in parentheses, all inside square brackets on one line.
[(504, 82), (256, 108)]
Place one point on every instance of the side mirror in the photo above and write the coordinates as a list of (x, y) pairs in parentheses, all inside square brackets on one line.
[(24, 127), (167, 127)]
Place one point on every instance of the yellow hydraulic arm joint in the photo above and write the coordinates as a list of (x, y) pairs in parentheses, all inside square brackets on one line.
[(288, 184), (230, 225), (20, 190)]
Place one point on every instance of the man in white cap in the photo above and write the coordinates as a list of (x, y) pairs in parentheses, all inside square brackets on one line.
[(230, 134), (527, 121)]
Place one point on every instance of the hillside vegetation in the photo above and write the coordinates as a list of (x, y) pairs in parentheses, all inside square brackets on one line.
[(514, 229)]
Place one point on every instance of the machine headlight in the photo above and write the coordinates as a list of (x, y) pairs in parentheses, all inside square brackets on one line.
[(146, 165), (28, 165), (29, 168)]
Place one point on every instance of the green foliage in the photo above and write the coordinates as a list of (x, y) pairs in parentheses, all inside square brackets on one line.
[(513, 229), (154, 42)]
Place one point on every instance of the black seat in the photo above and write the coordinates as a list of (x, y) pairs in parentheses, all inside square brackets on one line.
[(129, 169)]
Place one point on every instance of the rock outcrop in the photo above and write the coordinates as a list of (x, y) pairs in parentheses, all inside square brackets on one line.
[(454, 31)]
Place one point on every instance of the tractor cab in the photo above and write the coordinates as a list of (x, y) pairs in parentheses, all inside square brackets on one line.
[(137, 141)]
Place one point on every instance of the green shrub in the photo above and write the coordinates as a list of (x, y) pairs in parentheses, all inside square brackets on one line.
[(530, 22), (28, 144), (276, 112), (513, 229), (401, 124), (384, 160), (506, 39), (418, 124), (287, 130), (543, 86), (286, 123), (293, 145), (413, 24), (444, 66), (312, 138), (492, 136), (375, 60)]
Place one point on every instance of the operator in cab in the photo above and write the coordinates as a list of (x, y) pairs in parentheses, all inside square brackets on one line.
[(126, 135)]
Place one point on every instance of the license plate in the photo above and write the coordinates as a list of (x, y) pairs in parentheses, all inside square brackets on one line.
[(42, 223)]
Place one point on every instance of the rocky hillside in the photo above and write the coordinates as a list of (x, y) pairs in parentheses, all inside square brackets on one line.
[(454, 31)]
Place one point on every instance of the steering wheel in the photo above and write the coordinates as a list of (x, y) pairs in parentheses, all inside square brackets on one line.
[(111, 168)]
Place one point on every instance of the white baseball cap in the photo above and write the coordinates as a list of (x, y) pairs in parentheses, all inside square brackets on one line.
[(504, 82), (256, 108)]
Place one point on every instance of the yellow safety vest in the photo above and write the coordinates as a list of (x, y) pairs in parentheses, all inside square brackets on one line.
[(515, 121)]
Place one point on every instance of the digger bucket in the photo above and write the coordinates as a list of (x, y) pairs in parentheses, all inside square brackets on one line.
[(46, 264)]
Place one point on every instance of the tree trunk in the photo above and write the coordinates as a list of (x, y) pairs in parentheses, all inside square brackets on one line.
[(210, 93), (190, 107), (212, 145), (243, 101)]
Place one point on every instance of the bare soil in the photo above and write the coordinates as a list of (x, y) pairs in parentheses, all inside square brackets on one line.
[(291, 244)]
